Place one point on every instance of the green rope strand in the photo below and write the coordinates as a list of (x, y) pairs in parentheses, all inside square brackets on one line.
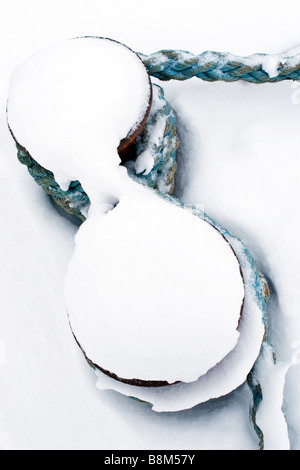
[(212, 66)]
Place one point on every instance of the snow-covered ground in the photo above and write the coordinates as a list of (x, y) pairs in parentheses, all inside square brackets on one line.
[(238, 157)]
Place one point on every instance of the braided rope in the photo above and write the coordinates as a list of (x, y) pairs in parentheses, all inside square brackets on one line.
[(212, 66)]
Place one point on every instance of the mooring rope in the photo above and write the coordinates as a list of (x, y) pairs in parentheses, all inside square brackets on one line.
[(212, 66)]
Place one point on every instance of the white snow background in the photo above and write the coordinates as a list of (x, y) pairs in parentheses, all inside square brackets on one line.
[(238, 157)]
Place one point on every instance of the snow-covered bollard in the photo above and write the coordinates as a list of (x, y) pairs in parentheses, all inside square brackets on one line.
[(166, 305), (60, 102)]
